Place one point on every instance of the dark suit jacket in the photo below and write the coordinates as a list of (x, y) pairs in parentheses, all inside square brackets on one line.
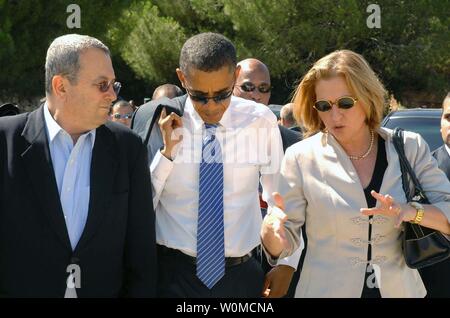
[(288, 137), (117, 250), (437, 277)]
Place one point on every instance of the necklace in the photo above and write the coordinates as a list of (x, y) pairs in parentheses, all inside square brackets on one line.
[(368, 150)]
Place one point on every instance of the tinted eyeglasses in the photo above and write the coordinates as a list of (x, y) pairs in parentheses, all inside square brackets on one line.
[(104, 86), (204, 99), (124, 116), (250, 87), (344, 102)]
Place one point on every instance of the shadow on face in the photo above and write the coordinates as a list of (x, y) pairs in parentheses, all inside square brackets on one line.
[(253, 81), (210, 92)]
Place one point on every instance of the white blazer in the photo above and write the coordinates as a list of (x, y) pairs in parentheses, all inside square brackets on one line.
[(322, 189)]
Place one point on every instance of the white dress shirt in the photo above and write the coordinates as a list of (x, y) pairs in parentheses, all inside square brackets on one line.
[(251, 145), (72, 166)]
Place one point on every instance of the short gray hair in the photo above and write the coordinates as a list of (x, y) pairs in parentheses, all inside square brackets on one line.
[(63, 56), (287, 113)]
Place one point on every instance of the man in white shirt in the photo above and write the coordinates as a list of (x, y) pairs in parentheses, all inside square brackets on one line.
[(205, 179)]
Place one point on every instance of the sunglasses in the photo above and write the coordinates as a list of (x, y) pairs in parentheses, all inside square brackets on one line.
[(104, 86), (250, 87), (124, 116), (204, 99), (344, 102)]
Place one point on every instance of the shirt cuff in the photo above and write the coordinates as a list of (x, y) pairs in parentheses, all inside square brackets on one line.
[(160, 167), (294, 259), (274, 261)]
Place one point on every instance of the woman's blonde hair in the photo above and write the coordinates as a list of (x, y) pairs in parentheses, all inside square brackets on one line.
[(361, 80)]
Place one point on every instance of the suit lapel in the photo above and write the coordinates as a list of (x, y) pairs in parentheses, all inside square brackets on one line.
[(444, 161), (103, 171), (37, 161), (339, 172)]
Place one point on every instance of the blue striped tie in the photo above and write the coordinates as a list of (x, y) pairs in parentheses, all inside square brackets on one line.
[(210, 231)]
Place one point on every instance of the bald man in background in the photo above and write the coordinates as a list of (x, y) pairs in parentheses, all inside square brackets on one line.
[(253, 83), (167, 90)]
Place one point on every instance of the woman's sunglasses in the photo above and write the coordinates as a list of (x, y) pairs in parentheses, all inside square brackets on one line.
[(344, 102), (250, 87)]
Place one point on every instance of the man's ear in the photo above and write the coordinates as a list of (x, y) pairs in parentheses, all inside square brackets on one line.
[(59, 86), (181, 76), (237, 72)]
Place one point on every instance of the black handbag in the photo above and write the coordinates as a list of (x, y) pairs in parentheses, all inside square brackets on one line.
[(422, 246)]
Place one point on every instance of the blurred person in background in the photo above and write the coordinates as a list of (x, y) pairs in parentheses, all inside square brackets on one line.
[(121, 112)]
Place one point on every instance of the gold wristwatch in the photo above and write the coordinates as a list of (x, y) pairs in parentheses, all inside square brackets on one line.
[(420, 212)]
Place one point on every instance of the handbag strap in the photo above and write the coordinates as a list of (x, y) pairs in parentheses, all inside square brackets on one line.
[(407, 171), (397, 140)]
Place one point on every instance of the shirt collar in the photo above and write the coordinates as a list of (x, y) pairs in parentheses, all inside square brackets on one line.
[(225, 121), (53, 128), (447, 148)]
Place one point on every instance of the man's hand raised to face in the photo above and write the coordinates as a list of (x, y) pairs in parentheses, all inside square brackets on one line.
[(168, 125)]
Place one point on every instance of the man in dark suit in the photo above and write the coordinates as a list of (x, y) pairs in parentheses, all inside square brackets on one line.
[(76, 214), (437, 277), (253, 83)]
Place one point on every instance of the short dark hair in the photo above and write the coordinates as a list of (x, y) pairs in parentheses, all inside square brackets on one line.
[(207, 52)]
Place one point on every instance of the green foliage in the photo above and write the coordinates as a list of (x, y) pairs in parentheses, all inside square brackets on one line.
[(27, 29), (410, 51), (152, 44)]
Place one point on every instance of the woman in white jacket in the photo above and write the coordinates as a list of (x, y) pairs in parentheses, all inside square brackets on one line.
[(345, 183)]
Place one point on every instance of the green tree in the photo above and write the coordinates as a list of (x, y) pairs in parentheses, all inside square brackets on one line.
[(410, 51), (150, 44), (28, 27)]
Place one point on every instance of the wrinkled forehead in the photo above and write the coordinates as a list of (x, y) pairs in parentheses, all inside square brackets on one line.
[(212, 82), (96, 64)]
